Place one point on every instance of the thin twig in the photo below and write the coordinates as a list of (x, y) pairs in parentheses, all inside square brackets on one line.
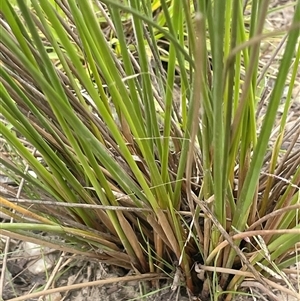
[(89, 206), (53, 274), (142, 277), (229, 239)]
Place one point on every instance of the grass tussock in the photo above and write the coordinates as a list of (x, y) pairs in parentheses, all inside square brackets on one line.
[(137, 132)]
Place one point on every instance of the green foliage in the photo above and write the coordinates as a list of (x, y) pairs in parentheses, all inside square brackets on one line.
[(144, 113)]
